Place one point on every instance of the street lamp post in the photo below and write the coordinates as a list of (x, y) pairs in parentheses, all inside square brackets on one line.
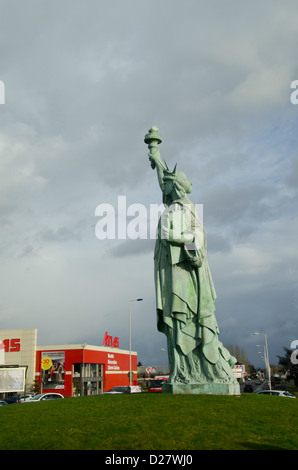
[(135, 300), (163, 350), (266, 353)]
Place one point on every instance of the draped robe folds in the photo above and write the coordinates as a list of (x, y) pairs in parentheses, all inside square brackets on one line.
[(185, 298)]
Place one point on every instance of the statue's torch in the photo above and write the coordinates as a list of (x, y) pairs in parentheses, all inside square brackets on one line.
[(153, 139)]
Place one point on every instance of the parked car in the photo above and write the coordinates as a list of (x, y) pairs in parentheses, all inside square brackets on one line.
[(278, 393), (44, 396), (26, 397), (11, 400), (123, 389), (2, 402), (248, 388), (280, 386), (117, 390)]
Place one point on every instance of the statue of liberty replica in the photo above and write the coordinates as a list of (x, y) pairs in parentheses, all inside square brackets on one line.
[(185, 294)]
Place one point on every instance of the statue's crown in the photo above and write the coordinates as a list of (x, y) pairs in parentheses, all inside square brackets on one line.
[(177, 176)]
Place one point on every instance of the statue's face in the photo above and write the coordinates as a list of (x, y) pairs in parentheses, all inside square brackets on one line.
[(168, 187)]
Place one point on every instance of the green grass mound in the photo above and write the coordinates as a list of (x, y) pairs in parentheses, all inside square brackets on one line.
[(152, 422)]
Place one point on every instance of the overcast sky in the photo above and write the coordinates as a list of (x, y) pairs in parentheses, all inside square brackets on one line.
[(84, 81)]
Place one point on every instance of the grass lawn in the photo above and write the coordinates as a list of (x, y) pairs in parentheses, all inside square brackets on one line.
[(152, 422)]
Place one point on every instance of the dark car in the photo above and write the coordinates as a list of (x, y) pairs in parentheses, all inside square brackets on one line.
[(11, 400), (2, 403), (278, 385), (248, 388), (117, 390)]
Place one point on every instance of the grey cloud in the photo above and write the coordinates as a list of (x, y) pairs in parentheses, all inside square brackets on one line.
[(84, 82), (217, 242), (133, 247), (225, 204), (61, 234), (292, 179)]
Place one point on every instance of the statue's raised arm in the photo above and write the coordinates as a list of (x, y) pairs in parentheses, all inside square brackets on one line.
[(153, 139)]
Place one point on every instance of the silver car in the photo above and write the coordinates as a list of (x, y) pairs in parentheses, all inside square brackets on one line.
[(44, 396), (26, 397), (278, 393)]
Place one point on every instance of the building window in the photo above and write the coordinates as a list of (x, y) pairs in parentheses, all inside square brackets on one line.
[(87, 379), (76, 370), (89, 370)]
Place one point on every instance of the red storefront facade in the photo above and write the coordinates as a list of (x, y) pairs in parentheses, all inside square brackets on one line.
[(79, 370)]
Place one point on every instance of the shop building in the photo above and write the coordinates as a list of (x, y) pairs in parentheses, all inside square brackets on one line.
[(70, 369), (77, 369)]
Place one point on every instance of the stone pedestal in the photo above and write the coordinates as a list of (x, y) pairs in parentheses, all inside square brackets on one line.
[(203, 389)]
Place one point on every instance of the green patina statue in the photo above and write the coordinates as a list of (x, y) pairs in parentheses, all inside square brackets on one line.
[(185, 294)]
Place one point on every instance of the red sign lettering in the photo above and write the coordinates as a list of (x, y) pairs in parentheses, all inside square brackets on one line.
[(109, 341), (11, 345)]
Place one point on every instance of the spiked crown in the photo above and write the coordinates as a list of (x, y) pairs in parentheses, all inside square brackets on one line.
[(178, 177)]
